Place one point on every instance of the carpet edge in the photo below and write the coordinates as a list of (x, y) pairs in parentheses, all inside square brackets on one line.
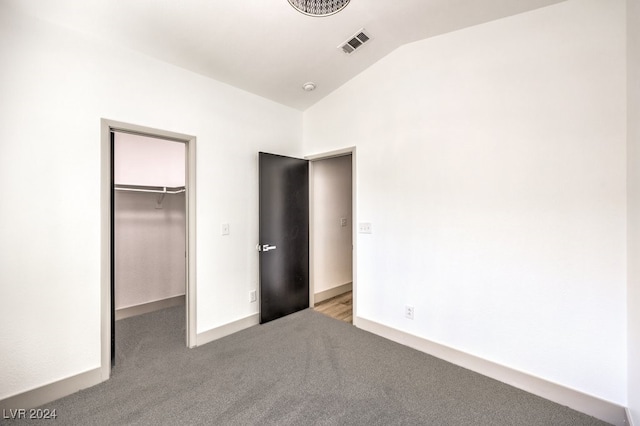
[(577, 400)]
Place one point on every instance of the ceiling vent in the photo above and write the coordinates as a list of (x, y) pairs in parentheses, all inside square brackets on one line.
[(355, 42)]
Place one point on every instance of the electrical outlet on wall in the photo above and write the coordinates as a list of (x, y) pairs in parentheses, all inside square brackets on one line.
[(408, 311), (253, 296), (343, 221)]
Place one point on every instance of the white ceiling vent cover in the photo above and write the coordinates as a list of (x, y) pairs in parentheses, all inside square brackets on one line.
[(355, 42)]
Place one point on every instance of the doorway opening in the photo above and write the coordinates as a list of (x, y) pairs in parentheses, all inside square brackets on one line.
[(292, 245), (331, 228), (148, 227)]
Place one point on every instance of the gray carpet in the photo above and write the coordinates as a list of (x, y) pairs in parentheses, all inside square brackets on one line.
[(302, 369)]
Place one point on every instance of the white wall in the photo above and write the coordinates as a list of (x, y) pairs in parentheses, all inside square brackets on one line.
[(150, 247), (633, 164), (150, 235), (510, 139), (141, 160), (56, 85), (491, 163), (332, 242), (149, 228)]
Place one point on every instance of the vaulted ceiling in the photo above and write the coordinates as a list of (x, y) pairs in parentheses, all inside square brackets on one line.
[(265, 46)]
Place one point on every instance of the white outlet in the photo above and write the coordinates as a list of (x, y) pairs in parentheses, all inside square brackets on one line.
[(365, 228), (343, 222), (225, 228), (252, 296), (408, 311)]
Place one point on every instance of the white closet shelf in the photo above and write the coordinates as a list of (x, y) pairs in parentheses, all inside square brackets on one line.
[(154, 189)]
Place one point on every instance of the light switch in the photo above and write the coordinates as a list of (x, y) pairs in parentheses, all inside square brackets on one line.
[(225, 229), (343, 222), (365, 228)]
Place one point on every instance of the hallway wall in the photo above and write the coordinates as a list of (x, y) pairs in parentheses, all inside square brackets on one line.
[(332, 242)]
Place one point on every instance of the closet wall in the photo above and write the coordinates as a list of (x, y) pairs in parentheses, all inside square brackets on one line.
[(149, 227)]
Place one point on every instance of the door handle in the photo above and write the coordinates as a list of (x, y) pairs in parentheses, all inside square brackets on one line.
[(266, 247)]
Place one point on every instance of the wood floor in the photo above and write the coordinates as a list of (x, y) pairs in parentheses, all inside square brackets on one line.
[(339, 307)]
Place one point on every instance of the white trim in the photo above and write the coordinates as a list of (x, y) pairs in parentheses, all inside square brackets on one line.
[(105, 244), (332, 292), (190, 200), (331, 154), (145, 308), (354, 235), (312, 252), (56, 390), (191, 290), (588, 404), (227, 329)]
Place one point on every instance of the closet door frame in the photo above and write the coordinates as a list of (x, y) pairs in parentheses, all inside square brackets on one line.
[(106, 210)]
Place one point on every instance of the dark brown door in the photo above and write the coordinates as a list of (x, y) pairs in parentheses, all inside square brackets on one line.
[(284, 235)]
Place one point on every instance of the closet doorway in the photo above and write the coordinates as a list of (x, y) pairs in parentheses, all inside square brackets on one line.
[(151, 227)]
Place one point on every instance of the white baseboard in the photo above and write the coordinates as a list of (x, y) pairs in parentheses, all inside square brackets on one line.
[(591, 405), (227, 329), (145, 308), (596, 407), (61, 388), (56, 390), (332, 292)]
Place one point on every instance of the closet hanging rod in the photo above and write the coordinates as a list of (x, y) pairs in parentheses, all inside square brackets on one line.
[(154, 189)]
